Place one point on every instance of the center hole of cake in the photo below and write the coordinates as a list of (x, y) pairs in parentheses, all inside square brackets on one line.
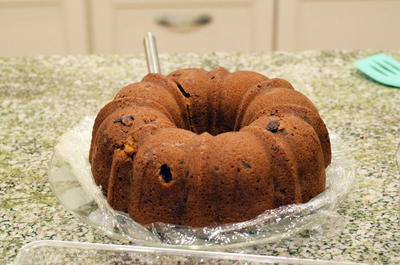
[(165, 173), (200, 117)]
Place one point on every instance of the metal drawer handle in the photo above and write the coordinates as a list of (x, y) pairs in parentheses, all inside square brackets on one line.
[(183, 21)]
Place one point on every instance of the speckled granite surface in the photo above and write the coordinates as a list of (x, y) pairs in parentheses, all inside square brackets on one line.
[(41, 97)]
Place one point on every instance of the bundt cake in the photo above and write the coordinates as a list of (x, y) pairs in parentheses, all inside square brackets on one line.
[(201, 148)]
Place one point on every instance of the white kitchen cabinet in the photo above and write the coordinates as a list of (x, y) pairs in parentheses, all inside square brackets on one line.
[(119, 26), (337, 24), (45, 27)]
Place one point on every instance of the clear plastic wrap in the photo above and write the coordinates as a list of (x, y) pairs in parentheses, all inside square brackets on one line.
[(72, 183)]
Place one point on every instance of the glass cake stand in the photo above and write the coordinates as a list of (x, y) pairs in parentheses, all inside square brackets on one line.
[(72, 183)]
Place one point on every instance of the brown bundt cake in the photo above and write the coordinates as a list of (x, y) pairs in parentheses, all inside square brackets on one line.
[(202, 148)]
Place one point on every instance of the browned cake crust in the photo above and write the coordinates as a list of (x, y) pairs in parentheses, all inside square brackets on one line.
[(203, 148)]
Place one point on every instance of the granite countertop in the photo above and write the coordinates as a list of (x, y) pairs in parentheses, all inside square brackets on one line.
[(42, 97)]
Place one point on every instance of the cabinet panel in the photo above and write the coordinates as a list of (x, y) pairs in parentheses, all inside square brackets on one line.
[(42, 27), (338, 24), (120, 26)]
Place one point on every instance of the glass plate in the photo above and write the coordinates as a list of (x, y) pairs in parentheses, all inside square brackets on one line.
[(72, 183)]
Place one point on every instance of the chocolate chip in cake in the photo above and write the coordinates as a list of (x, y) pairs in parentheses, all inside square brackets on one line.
[(125, 120), (118, 120), (245, 164), (165, 172), (273, 126), (273, 113)]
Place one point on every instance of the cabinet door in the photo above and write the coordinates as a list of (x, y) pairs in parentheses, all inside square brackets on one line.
[(119, 26), (338, 24), (43, 27)]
